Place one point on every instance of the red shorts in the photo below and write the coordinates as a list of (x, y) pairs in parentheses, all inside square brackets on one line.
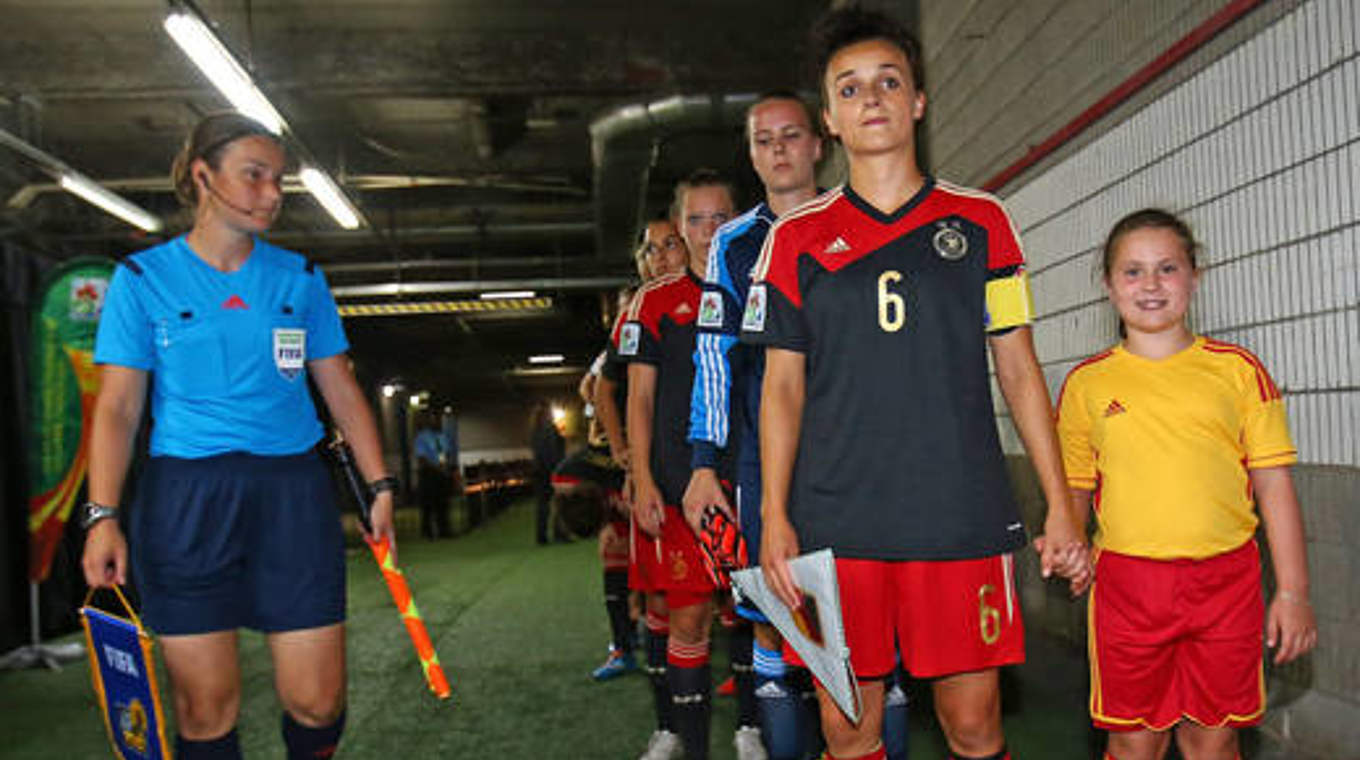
[(1172, 639), (614, 545), (672, 564), (945, 617)]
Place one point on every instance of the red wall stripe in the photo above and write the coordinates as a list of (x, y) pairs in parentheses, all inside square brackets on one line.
[(1173, 55)]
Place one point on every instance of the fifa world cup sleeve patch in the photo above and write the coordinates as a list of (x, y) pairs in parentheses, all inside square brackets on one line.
[(290, 351), (1009, 302), (711, 309), (629, 339), (753, 320)]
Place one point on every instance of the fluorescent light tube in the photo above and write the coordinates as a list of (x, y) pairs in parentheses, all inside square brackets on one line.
[(547, 359), (329, 196), (109, 201), (507, 294), (221, 68)]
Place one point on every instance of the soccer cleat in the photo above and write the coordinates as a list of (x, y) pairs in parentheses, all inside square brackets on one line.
[(619, 663), (724, 548), (727, 688), (748, 744), (663, 745)]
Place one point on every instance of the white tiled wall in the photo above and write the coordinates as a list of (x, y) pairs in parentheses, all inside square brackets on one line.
[(1260, 152)]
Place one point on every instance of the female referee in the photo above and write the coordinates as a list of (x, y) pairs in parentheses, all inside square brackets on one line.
[(235, 522)]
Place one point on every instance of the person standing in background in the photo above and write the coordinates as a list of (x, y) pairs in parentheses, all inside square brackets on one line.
[(549, 448), (434, 482)]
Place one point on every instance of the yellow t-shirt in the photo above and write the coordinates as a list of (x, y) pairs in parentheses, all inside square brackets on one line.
[(1166, 445)]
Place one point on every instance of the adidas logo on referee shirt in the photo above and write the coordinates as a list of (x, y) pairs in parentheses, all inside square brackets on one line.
[(1114, 408)]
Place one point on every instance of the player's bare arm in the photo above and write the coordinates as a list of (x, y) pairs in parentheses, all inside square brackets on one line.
[(1291, 629), (117, 412), (352, 415), (781, 414), (1080, 500), (609, 415), (1022, 383), (648, 506)]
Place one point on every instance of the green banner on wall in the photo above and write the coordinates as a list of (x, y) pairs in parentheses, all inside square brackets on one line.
[(63, 383)]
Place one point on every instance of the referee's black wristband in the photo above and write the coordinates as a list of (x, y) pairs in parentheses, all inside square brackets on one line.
[(388, 483)]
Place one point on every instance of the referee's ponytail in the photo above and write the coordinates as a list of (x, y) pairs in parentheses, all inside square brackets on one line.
[(208, 139)]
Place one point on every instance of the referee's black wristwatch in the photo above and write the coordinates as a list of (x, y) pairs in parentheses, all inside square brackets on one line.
[(92, 512), (388, 483)]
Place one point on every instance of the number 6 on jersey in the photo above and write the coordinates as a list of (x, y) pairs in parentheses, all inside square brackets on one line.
[(892, 307)]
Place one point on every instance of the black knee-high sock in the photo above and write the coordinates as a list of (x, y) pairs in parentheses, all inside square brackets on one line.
[(225, 747), (780, 708), (658, 639), (616, 605), (307, 743), (800, 683), (740, 640), (895, 733), (687, 671)]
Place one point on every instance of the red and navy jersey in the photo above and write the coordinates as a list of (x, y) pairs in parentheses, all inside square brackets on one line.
[(615, 367), (898, 454), (660, 331)]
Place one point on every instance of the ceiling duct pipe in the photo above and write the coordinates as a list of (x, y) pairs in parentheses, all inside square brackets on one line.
[(623, 147)]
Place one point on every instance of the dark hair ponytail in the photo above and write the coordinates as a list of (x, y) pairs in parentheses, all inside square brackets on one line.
[(208, 139)]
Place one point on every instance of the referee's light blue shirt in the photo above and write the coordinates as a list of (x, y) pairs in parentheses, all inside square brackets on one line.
[(227, 351)]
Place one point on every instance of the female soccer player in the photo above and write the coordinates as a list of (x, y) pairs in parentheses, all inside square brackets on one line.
[(877, 303), (1178, 434), (234, 522)]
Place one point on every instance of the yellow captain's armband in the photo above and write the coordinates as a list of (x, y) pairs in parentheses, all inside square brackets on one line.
[(1009, 302)]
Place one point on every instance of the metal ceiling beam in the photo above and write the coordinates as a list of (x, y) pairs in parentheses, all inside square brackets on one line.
[(478, 286), (480, 262), (623, 149), (25, 195)]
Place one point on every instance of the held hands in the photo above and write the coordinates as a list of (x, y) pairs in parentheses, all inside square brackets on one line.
[(778, 545), (648, 506), (1063, 551), (704, 490), (105, 558), (1290, 627)]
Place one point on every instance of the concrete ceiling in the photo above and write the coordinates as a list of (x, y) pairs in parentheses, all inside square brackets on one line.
[(460, 129)]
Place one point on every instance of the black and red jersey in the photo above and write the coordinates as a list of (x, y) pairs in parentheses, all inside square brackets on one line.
[(898, 454), (660, 331), (615, 368)]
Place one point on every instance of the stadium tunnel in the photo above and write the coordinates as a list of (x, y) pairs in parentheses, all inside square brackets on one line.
[(518, 149)]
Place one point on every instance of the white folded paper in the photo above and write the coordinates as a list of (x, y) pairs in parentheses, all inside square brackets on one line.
[(815, 631)]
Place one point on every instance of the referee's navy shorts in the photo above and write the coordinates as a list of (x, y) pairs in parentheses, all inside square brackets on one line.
[(238, 541)]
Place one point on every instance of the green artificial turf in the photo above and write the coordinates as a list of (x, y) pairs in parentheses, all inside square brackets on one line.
[(518, 628)]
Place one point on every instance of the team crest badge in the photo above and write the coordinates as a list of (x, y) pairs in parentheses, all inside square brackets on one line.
[(290, 351), (753, 320), (629, 339), (711, 309), (950, 244)]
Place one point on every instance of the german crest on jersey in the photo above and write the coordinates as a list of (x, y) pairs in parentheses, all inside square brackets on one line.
[(290, 351), (950, 243), (754, 318), (629, 339), (711, 309)]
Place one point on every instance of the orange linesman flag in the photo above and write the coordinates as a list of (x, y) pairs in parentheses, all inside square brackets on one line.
[(410, 615)]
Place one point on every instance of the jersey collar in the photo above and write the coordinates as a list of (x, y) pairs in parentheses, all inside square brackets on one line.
[(882, 218)]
